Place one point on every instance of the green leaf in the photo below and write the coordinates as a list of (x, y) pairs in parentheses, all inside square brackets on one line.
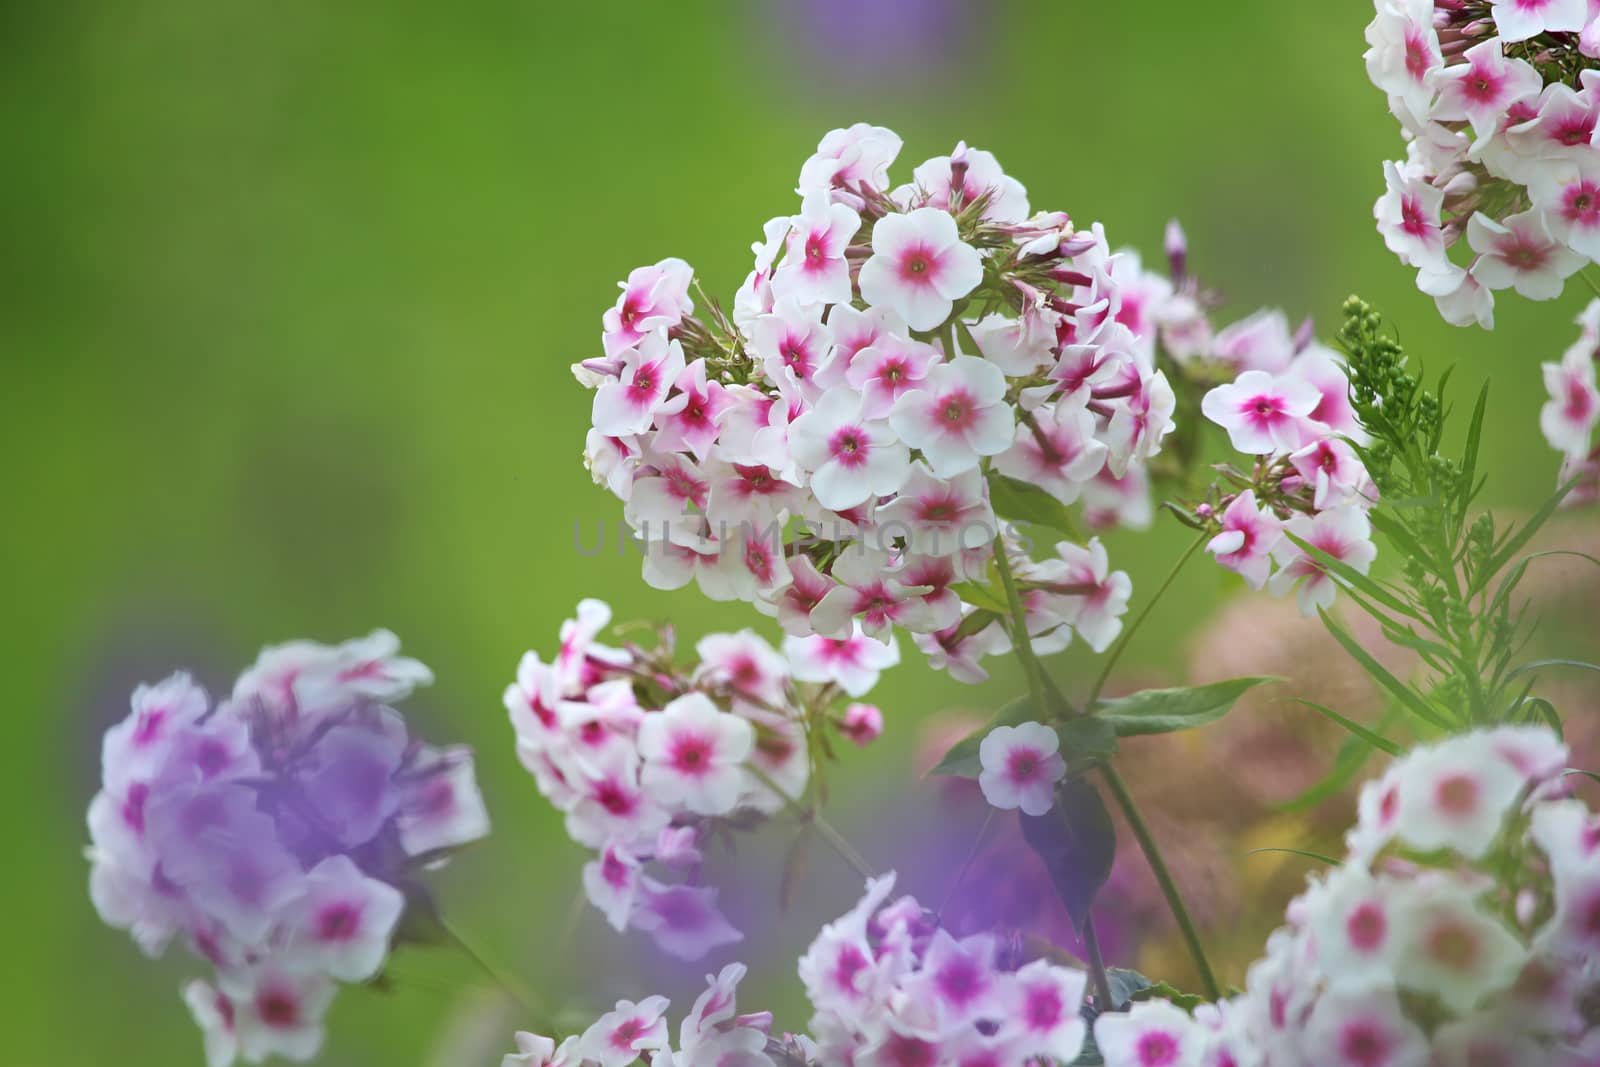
[(1539, 664), (1408, 697), (1469, 458), (1165, 711), (1319, 857), (1352, 756), (1514, 542), (1077, 842), (1171, 994), (1026, 502), (981, 596), (1126, 985), (1381, 744), (1354, 579)]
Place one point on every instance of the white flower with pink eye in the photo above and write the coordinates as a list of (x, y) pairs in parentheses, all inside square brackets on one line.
[(1517, 20), (653, 298), (1097, 615), (1409, 217), (1262, 413), (934, 180), (1248, 535), (887, 369), (1056, 448), (619, 1037), (1044, 1002), (1325, 371), (1519, 253), (957, 415), (214, 1013), (536, 1051), (743, 663), (1456, 795), (852, 663), (1352, 916), (1480, 89), (342, 921), (277, 1012), (1564, 128), (694, 755), (850, 158), (749, 563), (1149, 1034), (939, 516), (688, 420), (1461, 298), (792, 340), (1259, 342), (850, 457), (1453, 949), (957, 979), (612, 884), (608, 803), (1334, 472), (627, 404), (1021, 766), (1567, 195), (814, 270), (1404, 52), (919, 267), (683, 920), (1343, 533), (442, 807), (1568, 419), (862, 724), (1366, 1029), (870, 592), (135, 749), (1011, 346)]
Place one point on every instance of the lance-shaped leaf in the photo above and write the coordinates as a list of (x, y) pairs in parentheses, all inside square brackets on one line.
[(1165, 711), (1026, 502), (1077, 842)]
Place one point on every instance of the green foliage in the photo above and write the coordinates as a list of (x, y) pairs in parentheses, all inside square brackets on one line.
[(1455, 605), (1165, 711), (1077, 842), (1026, 502)]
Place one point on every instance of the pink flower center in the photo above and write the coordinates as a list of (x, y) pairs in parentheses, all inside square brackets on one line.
[(1453, 945), (902, 1051), (1023, 764), (814, 250), (917, 265), (627, 1033), (1366, 927), (960, 981), (1579, 402), (1363, 1044), (1457, 795), (277, 1008), (1157, 1049), (1523, 253), (848, 446), (1418, 57), (691, 755), (1043, 1008), (849, 963), (957, 410), (614, 799), (1412, 219), (1581, 203), (338, 922)]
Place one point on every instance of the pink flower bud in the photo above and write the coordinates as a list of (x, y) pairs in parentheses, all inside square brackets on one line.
[(862, 724)]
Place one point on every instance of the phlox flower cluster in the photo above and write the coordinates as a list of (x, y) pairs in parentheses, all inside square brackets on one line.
[(829, 449), (1463, 927), (646, 758), (1289, 407), (712, 1033), (1569, 417), (1498, 103), (888, 986), (276, 833)]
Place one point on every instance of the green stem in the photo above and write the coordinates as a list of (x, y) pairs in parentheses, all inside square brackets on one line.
[(1158, 867), (1097, 967), (1023, 644), (508, 983), (1020, 641), (1589, 282), (1127, 634), (832, 836)]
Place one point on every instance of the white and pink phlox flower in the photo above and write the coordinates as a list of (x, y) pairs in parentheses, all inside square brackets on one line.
[(940, 516), (1568, 419), (1404, 51), (934, 182), (956, 416), (1480, 88), (1263, 414), (693, 755), (919, 267), (1409, 216), (619, 1037), (343, 920), (1056, 448), (1517, 20), (688, 420), (1249, 533), (814, 269), (849, 456), (888, 368), (1519, 253), (683, 920), (627, 404), (1343, 532), (1021, 766), (1149, 1034), (653, 298), (1334, 471), (852, 663), (849, 159)]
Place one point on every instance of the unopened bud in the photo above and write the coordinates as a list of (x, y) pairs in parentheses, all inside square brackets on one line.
[(862, 724), (1177, 250)]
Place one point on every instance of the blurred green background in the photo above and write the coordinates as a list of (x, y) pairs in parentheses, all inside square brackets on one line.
[(290, 300)]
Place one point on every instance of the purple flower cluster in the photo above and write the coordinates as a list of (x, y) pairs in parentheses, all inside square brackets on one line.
[(276, 833)]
